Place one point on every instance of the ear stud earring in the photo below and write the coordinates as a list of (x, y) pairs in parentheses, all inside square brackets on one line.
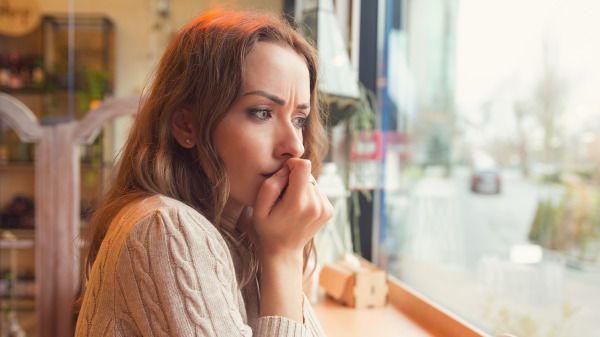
[(188, 141)]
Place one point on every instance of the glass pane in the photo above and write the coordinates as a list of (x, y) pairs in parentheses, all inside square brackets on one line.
[(492, 198), (81, 74)]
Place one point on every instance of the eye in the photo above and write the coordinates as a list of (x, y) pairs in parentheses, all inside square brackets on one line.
[(300, 122), (261, 114)]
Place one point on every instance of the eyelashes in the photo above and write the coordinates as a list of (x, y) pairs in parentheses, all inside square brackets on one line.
[(261, 114), (264, 115), (300, 122)]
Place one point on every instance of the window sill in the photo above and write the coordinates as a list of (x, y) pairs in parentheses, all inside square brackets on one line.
[(426, 313), (407, 311), (338, 320)]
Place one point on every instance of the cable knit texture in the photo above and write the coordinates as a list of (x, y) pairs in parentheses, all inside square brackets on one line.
[(165, 270)]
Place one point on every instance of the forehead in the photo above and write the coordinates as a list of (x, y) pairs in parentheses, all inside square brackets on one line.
[(275, 65)]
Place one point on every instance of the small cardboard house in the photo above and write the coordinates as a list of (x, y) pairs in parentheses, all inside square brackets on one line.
[(355, 286)]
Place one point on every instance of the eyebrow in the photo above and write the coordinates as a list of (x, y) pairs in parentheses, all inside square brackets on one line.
[(273, 98)]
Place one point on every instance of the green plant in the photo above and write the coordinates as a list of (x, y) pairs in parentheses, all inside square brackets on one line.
[(97, 82), (359, 116), (571, 225), (504, 319), (554, 177), (544, 227), (586, 175), (8, 278)]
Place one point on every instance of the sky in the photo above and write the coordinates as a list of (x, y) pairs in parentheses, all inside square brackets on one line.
[(499, 55)]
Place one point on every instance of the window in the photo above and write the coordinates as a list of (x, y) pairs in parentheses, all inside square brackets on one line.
[(490, 188)]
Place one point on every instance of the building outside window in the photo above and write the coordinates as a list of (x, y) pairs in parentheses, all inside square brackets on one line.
[(490, 188)]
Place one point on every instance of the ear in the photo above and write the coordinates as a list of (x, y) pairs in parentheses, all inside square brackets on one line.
[(182, 128)]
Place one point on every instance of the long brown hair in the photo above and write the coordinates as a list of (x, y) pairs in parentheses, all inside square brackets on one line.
[(201, 70)]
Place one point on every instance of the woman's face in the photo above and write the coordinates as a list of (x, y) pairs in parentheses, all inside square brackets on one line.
[(264, 126)]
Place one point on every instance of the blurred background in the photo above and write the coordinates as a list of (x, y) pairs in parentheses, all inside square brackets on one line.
[(464, 158)]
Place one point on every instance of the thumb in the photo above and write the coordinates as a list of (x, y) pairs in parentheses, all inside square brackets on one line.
[(270, 191)]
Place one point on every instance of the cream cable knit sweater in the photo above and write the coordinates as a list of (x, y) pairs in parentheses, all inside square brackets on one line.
[(164, 270)]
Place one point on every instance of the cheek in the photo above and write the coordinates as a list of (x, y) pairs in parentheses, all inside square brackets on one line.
[(229, 143), (243, 155), (244, 150)]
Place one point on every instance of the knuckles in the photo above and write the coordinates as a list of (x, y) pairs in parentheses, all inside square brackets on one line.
[(318, 211), (328, 212), (299, 164), (313, 212)]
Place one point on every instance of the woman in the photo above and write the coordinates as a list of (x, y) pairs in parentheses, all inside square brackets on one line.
[(209, 223)]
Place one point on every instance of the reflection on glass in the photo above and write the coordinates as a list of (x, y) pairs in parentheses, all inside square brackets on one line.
[(492, 206)]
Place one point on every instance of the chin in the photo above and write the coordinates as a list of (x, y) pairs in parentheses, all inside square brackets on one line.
[(248, 200), (252, 200)]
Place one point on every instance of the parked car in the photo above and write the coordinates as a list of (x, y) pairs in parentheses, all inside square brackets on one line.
[(486, 180)]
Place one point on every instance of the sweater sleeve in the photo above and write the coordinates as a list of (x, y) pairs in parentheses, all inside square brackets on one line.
[(280, 326), (177, 278)]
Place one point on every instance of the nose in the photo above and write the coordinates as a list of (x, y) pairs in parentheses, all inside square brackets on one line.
[(289, 142)]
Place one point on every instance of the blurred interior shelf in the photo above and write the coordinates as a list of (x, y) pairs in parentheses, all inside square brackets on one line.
[(24, 90), (18, 166), (20, 303), (18, 244), (20, 233)]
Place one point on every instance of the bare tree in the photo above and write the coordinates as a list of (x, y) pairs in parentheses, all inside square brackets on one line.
[(520, 111), (548, 101)]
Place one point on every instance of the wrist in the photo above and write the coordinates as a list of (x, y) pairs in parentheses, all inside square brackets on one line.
[(290, 258), (281, 284)]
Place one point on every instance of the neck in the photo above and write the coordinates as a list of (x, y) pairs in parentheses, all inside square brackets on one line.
[(237, 216), (231, 213)]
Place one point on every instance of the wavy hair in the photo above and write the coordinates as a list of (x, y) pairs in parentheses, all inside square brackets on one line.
[(202, 71)]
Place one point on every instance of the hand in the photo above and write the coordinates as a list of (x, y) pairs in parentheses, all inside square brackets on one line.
[(285, 223), (245, 225)]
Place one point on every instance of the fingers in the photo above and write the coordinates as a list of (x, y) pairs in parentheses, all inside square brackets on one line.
[(270, 191), (287, 223), (321, 209), (310, 202), (302, 198), (292, 177), (299, 179)]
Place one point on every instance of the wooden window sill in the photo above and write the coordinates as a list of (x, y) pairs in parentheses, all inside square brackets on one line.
[(408, 314), (338, 320)]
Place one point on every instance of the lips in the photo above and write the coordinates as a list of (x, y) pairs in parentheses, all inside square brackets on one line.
[(269, 175)]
